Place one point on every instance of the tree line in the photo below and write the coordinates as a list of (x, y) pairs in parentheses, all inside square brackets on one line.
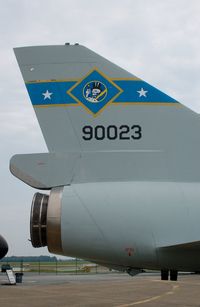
[(32, 259)]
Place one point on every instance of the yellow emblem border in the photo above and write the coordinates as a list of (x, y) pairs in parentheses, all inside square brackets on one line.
[(82, 79)]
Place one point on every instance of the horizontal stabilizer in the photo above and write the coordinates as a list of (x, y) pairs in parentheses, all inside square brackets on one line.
[(44, 170)]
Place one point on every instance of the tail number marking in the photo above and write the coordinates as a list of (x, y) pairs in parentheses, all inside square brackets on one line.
[(112, 132)]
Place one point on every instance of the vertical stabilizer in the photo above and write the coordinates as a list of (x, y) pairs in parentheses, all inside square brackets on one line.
[(86, 104)]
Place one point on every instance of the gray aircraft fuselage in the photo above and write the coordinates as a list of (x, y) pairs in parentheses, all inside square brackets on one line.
[(122, 168)]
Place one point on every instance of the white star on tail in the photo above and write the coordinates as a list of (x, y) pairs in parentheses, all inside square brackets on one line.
[(142, 92), (47, 95)]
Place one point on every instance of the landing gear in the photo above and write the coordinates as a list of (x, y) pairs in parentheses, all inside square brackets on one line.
[(173, 275), (165, 275)]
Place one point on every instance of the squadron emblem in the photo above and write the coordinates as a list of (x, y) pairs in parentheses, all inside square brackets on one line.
[(95, 91)]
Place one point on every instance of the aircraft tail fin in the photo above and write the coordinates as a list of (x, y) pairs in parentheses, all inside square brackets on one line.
[(86, 104)]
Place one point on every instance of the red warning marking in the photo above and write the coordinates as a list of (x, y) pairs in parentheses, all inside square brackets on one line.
[(129, 251)]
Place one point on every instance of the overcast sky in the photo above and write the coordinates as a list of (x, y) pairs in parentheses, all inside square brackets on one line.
[(157, 40)]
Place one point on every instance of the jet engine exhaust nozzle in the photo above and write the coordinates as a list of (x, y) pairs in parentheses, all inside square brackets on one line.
[(38, 220)]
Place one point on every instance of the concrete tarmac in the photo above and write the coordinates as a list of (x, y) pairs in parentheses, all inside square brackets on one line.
[(117, 290)]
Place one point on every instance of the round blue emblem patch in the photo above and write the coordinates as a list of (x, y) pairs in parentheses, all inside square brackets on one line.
[(95, 91)]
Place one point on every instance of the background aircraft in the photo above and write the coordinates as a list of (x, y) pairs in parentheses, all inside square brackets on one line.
[(3, 247), (122, 171)]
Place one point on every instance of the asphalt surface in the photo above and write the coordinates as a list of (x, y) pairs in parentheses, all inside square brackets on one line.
[(117, 290)]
